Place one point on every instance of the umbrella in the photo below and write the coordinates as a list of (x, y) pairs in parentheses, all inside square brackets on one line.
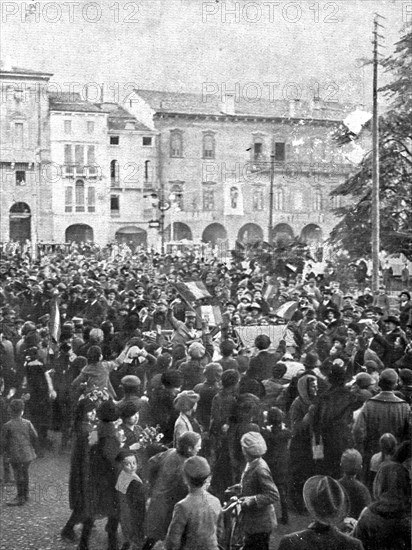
[(287, 309)]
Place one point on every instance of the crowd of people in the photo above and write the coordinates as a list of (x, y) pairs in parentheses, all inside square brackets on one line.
[(167, 414)]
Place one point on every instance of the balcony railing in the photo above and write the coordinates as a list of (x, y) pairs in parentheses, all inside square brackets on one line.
[(296, 167)]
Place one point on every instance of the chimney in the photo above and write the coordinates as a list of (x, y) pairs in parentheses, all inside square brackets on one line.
[(228, 104)]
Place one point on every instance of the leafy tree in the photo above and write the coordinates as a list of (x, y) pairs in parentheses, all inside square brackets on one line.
[(353, 232)]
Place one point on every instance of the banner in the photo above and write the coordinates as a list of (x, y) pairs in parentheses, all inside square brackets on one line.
[(192, 290), (212, 314), (276, 333), (54, 323)]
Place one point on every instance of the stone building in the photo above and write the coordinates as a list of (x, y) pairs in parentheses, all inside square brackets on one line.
[(81, 182), (215, 165), (25, 156), (132, 163)]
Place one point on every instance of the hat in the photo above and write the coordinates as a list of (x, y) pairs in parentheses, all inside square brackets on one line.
[(355, 327), (406, 376), (128, 409), (389, 377), (371, 364), (253, 443), (171, 379), (405, 292), (364, 380), (107, 412), (325, 499), (190, 313), (131, 381), (351, 461), (196, 350), (196, 467), (392, 319), (254, 305), (185, 400), (311, 360)]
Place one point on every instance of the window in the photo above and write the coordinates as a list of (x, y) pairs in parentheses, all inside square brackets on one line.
[(20, 177), (298, 200), (177, 193), (279, 199), (114, 204), (68, 200), (257, 150), (68, 160), (176, 144), (208, 146), (90, 126), (336, 201), (114, 140), (208, 200), (257, 199), (18, 135), (280, 151), (91, 199), (114, 173), (79, 193), (79, 159), (91, 161), (147, 171), (147, 141), (234, 197), (317, 200), (67, 126)]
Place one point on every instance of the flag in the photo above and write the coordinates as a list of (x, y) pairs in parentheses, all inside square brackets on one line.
[(269, 292), (192, 290), (54, 323), (287, 309), (212, 314)]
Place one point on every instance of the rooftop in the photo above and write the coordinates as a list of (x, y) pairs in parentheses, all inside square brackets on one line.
[(191, 103), (72, 102), (119, 118)]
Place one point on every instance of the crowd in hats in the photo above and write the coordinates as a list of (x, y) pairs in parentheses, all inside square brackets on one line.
[(163, 409)]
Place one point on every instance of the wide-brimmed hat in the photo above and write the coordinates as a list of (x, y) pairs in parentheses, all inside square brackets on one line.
[(392, 319), (406, 292), (325, 499), (185, 400)]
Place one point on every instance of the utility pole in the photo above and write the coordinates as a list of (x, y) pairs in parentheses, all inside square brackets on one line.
[(375, 214), (272, 176)]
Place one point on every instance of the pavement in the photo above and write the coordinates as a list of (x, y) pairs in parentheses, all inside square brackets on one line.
[(37, 524)]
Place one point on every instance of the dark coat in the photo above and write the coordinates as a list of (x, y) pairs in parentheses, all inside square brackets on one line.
[(259, 517), (380, 529), (319, 537), (261, 366), (167, 488), (79, 496), (103, 473), (332, 421)]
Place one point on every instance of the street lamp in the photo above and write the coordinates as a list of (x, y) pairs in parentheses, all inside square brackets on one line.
[(272, 176)]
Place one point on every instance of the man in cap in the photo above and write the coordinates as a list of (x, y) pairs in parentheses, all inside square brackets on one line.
[(396, 339), (327, 504), (258, 494), (384, 413)]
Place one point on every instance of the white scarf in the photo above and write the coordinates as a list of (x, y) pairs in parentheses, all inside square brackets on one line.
[(124, 480)]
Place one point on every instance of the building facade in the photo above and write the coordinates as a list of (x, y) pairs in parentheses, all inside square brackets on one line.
[(25, 156), (215, 165)]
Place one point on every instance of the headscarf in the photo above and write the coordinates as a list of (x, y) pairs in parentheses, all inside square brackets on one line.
[(303, 384), (391, 489)]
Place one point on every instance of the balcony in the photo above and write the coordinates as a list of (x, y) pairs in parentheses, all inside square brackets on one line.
[(295, 167)]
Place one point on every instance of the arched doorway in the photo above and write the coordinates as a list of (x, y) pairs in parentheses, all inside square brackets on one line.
[(250, 233), (79, 232), (181, 232), (282, 232), (132, 236), (214, 233), (20, 222), (311, 234)]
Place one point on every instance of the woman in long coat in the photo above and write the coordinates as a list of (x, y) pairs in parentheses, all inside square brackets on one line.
[(167, 486), (79, 496), (301, 458), (103, 471)]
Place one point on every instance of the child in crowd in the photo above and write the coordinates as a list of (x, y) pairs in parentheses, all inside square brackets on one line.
[(277, 438), (129, 413), (197, 521), (358, 494), (132, 500), (19, 439), (387, 445)]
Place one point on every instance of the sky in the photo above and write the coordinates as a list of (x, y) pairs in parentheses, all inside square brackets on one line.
[(187, 45)]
